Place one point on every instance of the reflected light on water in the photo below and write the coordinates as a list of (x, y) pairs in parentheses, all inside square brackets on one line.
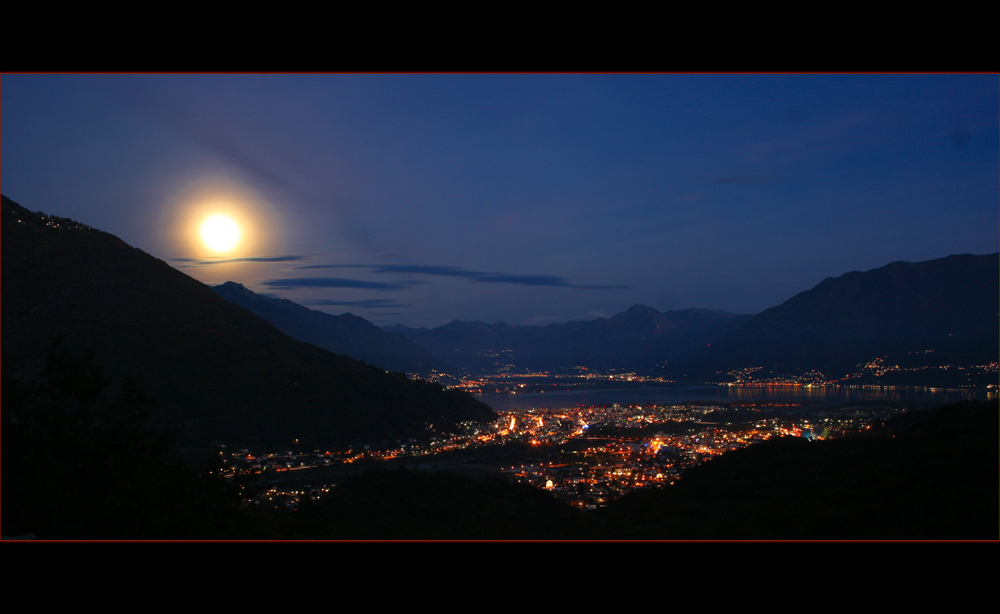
[(722, 394)]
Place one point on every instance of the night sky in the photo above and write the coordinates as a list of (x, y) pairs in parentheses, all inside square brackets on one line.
[(532, 199)]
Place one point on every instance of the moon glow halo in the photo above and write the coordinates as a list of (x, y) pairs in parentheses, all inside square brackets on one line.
[(220, 233)]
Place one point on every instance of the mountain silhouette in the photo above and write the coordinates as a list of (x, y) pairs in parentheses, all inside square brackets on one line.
[(639, 339), (217, 372), (946, 307), (346, 334)]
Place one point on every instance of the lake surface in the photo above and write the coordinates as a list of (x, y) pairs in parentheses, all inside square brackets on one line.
[(672, 396)]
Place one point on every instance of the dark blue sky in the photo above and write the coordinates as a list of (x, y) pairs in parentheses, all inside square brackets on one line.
[(526, 198)]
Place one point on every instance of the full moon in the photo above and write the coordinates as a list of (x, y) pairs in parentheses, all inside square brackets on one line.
[(220, 233)]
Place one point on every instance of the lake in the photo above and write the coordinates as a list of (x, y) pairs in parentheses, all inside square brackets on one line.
[(673, 396)]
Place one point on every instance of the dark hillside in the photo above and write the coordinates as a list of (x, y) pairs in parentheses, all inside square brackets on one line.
[(404, 504), (216, 371), (949, 306), (937, 479)]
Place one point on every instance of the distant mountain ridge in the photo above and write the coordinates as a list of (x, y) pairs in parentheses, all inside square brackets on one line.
[(948, 307), (346, 334), (638, 339), (217, 371), (919, 316)]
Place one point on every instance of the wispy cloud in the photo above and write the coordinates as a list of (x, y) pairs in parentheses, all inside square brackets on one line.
[(740, 179), (195, 262), (329, 282), (374, 303), (480, 276)]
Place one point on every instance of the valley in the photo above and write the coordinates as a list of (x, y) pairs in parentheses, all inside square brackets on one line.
[(587, 414)]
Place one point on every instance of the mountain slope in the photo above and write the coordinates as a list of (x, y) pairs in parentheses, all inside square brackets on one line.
[(216, 370), (934, 480), (949, 306), (345, 334)]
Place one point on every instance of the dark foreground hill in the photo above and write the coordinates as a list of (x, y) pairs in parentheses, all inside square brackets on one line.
[(345, 334), (404, 504), (937, 479), (934, 313), (216, 371)]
